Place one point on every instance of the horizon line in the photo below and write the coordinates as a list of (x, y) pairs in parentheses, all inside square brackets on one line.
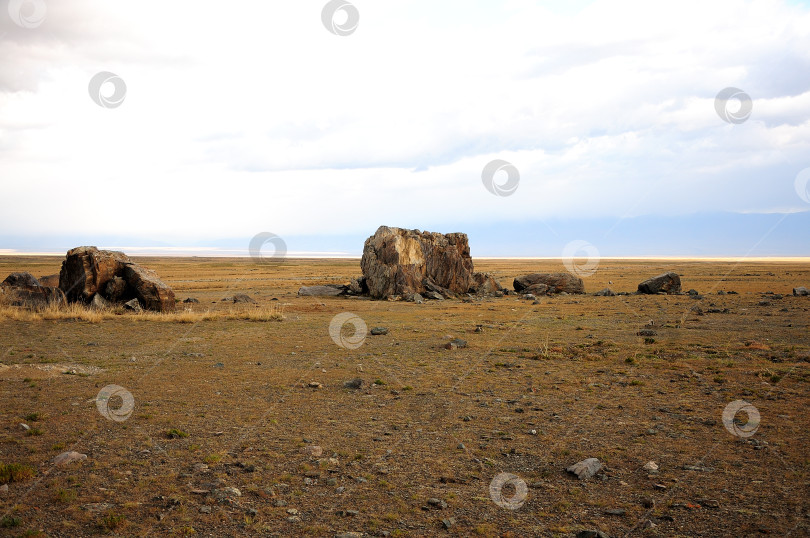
[(203, 253)]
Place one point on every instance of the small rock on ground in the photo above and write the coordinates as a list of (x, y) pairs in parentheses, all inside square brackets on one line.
[(586, 468), (66, 458)]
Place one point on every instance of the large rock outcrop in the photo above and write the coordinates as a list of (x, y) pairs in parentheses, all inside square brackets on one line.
[(23, 289), (669, 283), (88, 271), (549, 283), (404, 262)]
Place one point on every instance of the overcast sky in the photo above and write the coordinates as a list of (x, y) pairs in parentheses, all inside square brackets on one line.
[(245, 117)]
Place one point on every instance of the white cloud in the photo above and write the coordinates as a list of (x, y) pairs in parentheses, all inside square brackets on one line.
[(248, 116)]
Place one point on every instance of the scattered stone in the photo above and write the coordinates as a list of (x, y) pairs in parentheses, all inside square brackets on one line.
[(279, 503), (97, 508), (650, 466), (615, 512), (709, 503), (350, 535), (591, 534), (554, 282), (448, 522), (315, 385), (607, 292), (331, 290), (801, 292), (219, 365), (647, 502), (698, 468), (133, 305), (437, 503), (26, 427), (586, 468), (646, 332), (313, 450), (191, 300), (357, 286), (4, 489), (433, 295), (378, 331), (456, 343), (669, 283), (227, 493), (66, 458), (243, 298), (205, 509), (353, 384)]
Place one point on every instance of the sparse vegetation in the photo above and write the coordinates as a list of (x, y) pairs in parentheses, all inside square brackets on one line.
[(15, 472), (236, 387)]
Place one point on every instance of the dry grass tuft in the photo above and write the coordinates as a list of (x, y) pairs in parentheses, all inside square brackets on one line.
[(79, 312)]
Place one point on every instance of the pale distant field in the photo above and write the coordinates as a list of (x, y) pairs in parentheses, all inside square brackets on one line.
[(428, 422)]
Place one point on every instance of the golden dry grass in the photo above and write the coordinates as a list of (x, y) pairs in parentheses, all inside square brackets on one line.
[(79, 312)]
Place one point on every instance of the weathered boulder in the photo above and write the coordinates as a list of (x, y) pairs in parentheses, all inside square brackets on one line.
[(669, 283), (22, 289), (537, 289), (88, 272), (801, 292), (36, 297), (17, 280), (150, 291), (86, 269), (322, 291), (484, 284), (403, 262), (556, 282)]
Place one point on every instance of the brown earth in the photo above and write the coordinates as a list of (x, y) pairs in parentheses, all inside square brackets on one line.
[(626, 379)]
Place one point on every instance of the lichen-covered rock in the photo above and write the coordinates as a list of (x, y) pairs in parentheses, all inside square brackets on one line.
[(403, 262)]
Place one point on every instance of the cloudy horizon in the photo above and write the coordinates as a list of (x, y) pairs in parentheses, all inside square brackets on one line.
[(232, 120)]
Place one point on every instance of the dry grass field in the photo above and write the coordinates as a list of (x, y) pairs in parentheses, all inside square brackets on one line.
[(231, 396)]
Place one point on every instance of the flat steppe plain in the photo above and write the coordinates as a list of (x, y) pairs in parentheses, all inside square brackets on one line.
[(538, 388)]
